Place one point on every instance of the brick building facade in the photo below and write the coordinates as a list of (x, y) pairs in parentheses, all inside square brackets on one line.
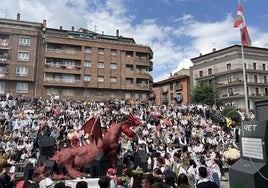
[(40, 61)]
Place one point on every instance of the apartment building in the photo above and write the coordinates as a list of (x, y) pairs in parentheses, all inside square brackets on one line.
[(18, 56), (225, 68), (173, 90), (79, 64)]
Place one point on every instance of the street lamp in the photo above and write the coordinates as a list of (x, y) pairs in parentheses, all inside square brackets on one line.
[(86, 91)]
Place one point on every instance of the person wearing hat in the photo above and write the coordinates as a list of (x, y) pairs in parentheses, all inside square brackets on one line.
[(5, 179), (111, 173)]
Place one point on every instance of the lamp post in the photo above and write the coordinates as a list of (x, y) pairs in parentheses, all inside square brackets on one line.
[(86, 91)]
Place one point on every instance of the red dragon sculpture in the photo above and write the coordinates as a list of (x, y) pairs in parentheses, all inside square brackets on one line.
[(76, 157)]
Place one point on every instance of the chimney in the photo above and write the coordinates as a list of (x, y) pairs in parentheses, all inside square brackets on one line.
[(60, 27), (44, 24), (117, 33), (72, 28), (214, 50), (200, 54), (170, 74), (18, 16)]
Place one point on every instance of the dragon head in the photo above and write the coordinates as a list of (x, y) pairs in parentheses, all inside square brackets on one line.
[(132, 121)]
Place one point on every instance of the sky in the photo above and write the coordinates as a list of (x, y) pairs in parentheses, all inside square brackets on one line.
[(176, 30)]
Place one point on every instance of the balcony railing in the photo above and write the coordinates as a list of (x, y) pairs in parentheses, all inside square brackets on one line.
[(142, 85), (62, 81), (2, 74), (164, 99), (240, 81), (240, 93), (178, 87), (4, 42)]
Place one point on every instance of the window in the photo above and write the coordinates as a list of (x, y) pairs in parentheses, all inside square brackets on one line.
[(22, 87), (265, 79), (112, 95), (100, 50), (129, 67), (137, 96), (21, 71), (228, 66), (113, 66), (266, 91), (129, 53), (113, 79), (257, 90), (87, 78), (129, 80), (143, 96), (100, 65), (210, 71), (246, 77), (2, 88), (127, 95), (24, 41), (165, 89), (68, 78), (113, 52), (200, 73), (100, 79), (264, 67), (69, 63), (171, 96), (255, 78), (88, 49), (230, 91), (254, 66), (171, 86), (229, 78), (87, 64), (99, 93), (23, 56), (51, 90), (68, 92)]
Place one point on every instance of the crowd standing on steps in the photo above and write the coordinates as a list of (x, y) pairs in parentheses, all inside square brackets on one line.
[(179, 139)]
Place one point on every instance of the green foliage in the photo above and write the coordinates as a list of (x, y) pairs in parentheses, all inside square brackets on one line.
[(227, 109), (205, 93), (235, 116)]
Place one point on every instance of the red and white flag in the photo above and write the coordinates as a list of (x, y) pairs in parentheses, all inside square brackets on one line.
[(240, 23)]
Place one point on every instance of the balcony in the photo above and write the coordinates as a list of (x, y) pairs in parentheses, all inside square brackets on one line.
[(67, 54), (62, 82), (144, 76), (4, 42), (3, 60), (61, 68), (142, 86), (164, 90), (164, 99), (178, 87), (146, 63), (2, 74)]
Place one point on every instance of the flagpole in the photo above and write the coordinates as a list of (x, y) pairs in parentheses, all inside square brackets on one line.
[(244, 77), (240, 22)]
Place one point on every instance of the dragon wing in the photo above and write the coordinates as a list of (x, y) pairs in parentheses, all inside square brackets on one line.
[(93, 128)]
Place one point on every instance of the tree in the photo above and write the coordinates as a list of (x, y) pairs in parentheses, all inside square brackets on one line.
[(232, 113), (205, 93)]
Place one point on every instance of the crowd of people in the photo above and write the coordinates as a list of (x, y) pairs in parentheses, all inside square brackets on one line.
[(178, 139)]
